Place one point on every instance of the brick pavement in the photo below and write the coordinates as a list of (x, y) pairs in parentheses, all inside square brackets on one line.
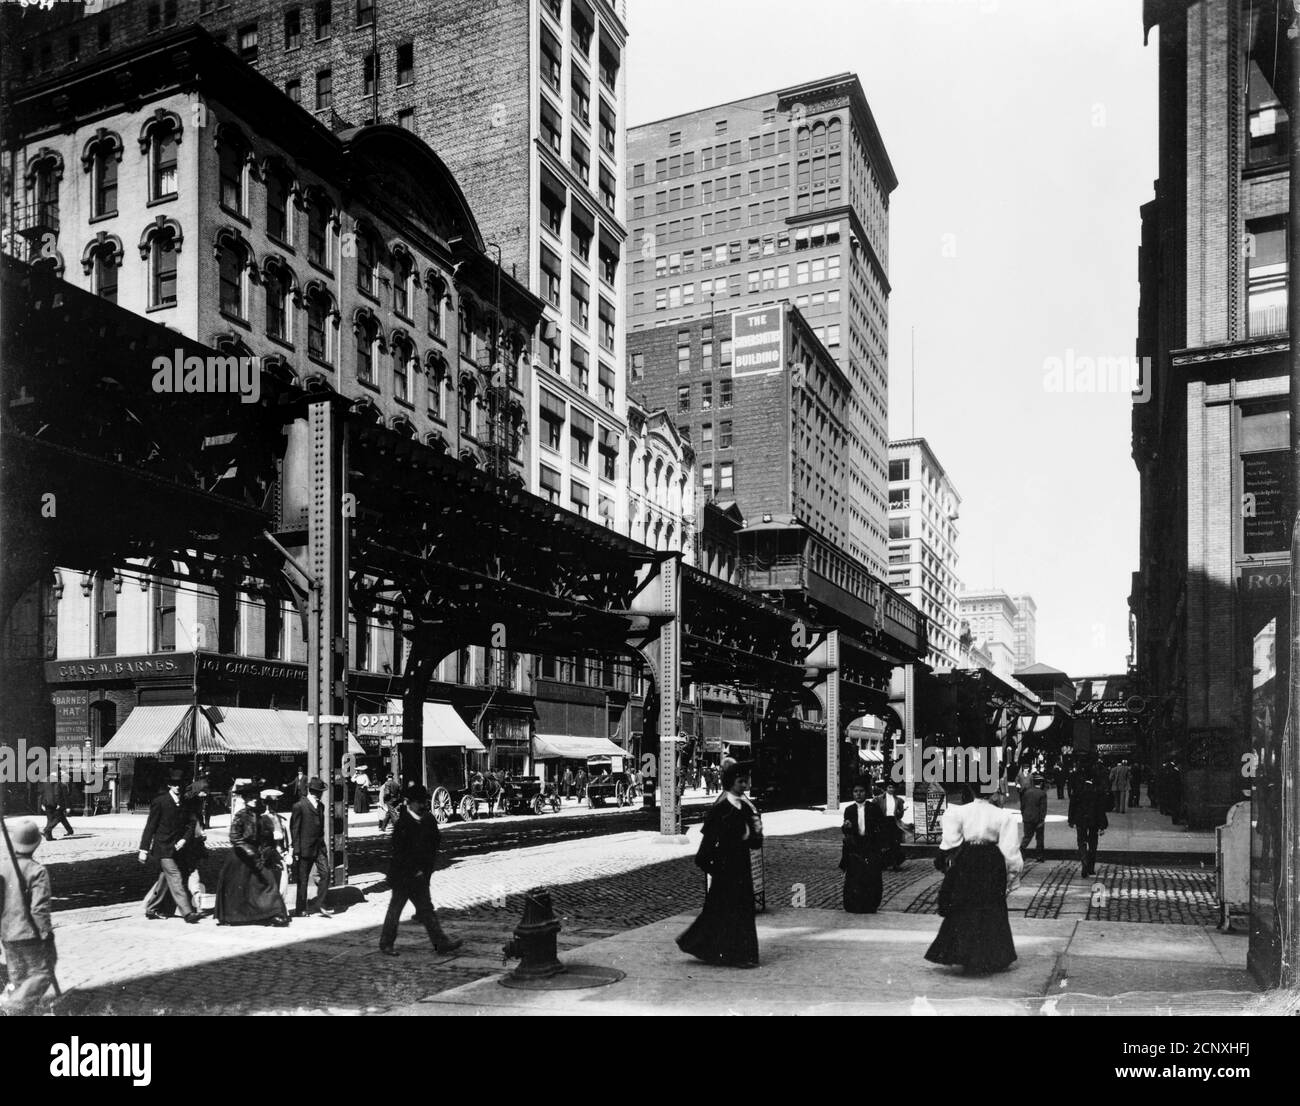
[(114, 961)]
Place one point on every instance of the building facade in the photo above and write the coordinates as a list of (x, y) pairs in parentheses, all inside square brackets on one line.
[(1211, 438), (923, 511), (661, 483), (779, 196), (768, 419), (1026, 631), (992, 618)]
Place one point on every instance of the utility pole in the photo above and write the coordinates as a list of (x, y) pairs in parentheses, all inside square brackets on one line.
[(1289, 896)]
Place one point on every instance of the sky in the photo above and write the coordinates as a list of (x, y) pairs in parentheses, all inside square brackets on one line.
[(1023, 135)]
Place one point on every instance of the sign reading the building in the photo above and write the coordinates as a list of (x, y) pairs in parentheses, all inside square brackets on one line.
[(757, 342), (1266, 515)]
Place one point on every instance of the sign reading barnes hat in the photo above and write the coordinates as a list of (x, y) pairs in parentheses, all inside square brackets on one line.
[(758, 342)]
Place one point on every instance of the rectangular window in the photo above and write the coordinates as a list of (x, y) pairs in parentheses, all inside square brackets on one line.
[(1267, 120), (550, 60), (706, 436), (549, 483), (365, 12), (164, 165), (580, 302), (683, 398), (292, 29), (324, 89), (1266, 276), (724, 434), (105, 169), (638, 366), (579, 367), (368, 78), (164, 618), (550, 277), (163, 289), (606, 375), (580, 498), (105, 616), (582, 102), (724, 394), (726, 477), (581, 431), (324, 19), (606, 325), (552, 131), (293, 89), (706, 396), (405, 63), (551, 409), (406, 119), (683, 351), (247, 38)]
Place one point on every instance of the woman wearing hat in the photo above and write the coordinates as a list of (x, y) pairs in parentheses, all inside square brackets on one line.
[(980, 856), (248, 892), (725, 932)]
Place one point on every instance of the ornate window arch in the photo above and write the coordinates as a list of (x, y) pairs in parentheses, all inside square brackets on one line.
[(160, 244), (237, 266), (45, 162), (404, 270), (322, 225), (100, 157), (52, 261), (160, 134), (368, 247), (101, 260), (281, 291), (235, 165), (283, 194), (403, 425), (405, 363), (322, 310), (369, 340)]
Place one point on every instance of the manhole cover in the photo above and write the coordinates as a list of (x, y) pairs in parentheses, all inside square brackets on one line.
[(575, 977)]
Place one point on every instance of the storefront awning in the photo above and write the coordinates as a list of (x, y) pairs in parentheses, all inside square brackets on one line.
[(563, 747), (157, 730), (1035, 723), (444, 728), (871, 756), (147, 730)]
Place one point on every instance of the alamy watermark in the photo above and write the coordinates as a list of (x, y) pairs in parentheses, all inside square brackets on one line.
[(211, 375), (957, 764), (1081, 375), (37, 764)]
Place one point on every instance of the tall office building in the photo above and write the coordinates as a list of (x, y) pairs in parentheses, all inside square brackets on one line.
[(1025, 630), (923, 511), (992, 618), (779, 196)]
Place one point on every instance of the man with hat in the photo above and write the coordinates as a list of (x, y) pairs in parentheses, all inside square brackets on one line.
[(25, 927), (307, 839), (415, 848), (165, 832)]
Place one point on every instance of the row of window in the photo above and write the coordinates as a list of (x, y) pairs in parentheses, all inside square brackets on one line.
[(730, 253), (819, 136), (725, 395), (582, 27)]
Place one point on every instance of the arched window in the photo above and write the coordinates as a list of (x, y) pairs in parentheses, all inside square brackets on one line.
[(466, 328), (163, 616), (235, 262), (833, 132), (232, 156), (818, 134), (435, 369), (403, 356), (101, 261), (802, 140), (277, 283), (320, 308), (159, 245), (367, 260), (100, 159), (279, 209), (437, 289), (366, 328), (403, 280), (319, 216), (159, 138)]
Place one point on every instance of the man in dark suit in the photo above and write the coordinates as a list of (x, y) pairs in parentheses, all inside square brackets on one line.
[(307, 836), (1088, 813), (415, 849), (891, 807), (166, 831), (1033, 812), (54, 798)]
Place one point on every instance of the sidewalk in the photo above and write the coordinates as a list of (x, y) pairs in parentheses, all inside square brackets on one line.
[(823, 962)]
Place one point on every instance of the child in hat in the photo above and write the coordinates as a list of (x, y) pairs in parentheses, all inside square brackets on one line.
[(25, 927)]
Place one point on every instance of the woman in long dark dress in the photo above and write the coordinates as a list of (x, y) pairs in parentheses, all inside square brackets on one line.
[(248, 892), (725, 932), (865, 836), (980, 853)]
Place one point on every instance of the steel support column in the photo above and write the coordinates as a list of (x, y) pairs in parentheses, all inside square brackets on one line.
[(327, 641), (825, 656), (911, 742)]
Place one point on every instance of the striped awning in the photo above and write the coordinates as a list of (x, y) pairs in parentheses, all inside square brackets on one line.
[(173, 729)]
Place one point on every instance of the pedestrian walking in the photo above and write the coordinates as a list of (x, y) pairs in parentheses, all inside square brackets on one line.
[(415, 851), (389, 796), (980, 857), (1033, 814), (1120, 785), (725, 932), (248, 890), (166, 833), (298, 789), (195, 848), (307, 841), (54, 800), (566, 782), (891, 808), (1087, 815), (1058, 776), (26, 930), (1135, 786), (865, 832)]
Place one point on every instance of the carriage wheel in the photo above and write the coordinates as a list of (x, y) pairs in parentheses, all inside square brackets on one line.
[(555, 802), (620, 794), (441, 805), (468, 808), (536, 804)]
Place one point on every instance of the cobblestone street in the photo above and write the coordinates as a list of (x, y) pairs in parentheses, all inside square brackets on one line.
[(604, 879)]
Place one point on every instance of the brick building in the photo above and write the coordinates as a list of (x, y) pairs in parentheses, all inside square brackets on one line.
[(782, 195), (1212, 441), (661, 482), (773, 440), (923, 511)]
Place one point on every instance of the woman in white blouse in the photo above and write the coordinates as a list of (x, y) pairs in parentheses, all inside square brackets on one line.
[(980, 856)]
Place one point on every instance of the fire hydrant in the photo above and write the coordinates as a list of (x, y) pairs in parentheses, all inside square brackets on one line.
[(534, 941)]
